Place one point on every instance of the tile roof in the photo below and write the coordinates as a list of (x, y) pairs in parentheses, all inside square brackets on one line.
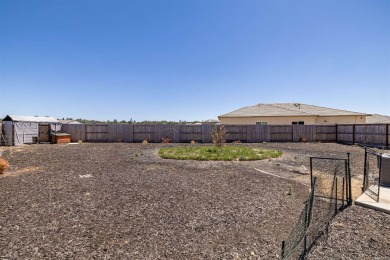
[(288, 109), (378, 119)]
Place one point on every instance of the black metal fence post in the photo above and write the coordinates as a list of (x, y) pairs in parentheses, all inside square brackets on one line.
[(336, 197), (379, 179), (365, 176), (349, 181), (306, 227), (311, 172), (283, 247), (342, 201)]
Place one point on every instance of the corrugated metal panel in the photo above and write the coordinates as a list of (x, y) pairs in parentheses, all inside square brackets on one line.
[(7, 132), (39, 119)]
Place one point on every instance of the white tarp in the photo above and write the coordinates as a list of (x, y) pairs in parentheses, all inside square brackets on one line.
[(55, 127), (24, 132)]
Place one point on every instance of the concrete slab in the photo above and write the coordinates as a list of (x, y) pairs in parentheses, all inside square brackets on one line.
[(384, 200)]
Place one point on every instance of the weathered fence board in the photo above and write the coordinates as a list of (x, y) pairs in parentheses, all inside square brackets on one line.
[(168, 131), (97, 133), (206, 133), (190, 133), (281, 133), (251, 134), (121, 133), (304, 132), (144, 132), (77, 131), (371, 134), (236, 133), (326, 133), (263, 133), (345, 133)]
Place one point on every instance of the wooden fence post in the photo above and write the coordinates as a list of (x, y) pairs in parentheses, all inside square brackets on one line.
[(83, 133)]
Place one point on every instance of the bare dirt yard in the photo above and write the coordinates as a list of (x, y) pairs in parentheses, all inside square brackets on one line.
[(122, 201)]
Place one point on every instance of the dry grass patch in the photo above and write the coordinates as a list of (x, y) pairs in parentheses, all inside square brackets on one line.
[(21, 171)]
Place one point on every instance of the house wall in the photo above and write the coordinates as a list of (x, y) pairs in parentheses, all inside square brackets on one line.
[(276, 120), (286, 120), (331, 120)]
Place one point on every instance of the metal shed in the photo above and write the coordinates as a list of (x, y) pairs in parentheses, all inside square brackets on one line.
[(19, 130)]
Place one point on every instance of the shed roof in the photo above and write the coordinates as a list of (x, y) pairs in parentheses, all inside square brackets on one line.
[(289, 109), (67, 121), (39, 119)]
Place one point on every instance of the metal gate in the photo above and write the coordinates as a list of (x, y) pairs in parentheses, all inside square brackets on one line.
[(372, 173), (333, 179)]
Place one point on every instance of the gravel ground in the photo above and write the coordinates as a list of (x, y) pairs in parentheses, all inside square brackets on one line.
[(123, 201)]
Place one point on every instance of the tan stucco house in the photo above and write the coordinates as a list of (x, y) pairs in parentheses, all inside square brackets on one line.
[(291, 113)]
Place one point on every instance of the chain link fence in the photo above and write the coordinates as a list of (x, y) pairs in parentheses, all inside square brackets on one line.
[(330, 193), (333, 179), (295, 247), (372, 167)]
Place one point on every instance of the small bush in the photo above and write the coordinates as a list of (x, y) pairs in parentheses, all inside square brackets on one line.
[(3, 165), (193, 142), (145, 141), (219, 135), (166, 140)]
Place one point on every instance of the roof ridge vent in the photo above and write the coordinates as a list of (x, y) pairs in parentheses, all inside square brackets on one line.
[(298, 105)]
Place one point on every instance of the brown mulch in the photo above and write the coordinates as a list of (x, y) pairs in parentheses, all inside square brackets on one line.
[(123, 201), (356, 233)]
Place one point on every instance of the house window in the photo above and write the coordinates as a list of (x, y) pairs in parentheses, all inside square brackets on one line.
[(261, 123), (298, 123)]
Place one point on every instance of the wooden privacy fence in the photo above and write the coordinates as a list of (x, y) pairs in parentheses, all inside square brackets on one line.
[(377, 135)]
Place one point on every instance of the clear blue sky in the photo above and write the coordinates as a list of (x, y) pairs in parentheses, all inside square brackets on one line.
[(191, 60)]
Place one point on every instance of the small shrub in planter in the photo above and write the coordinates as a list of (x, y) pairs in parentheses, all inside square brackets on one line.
[(3, 165)]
